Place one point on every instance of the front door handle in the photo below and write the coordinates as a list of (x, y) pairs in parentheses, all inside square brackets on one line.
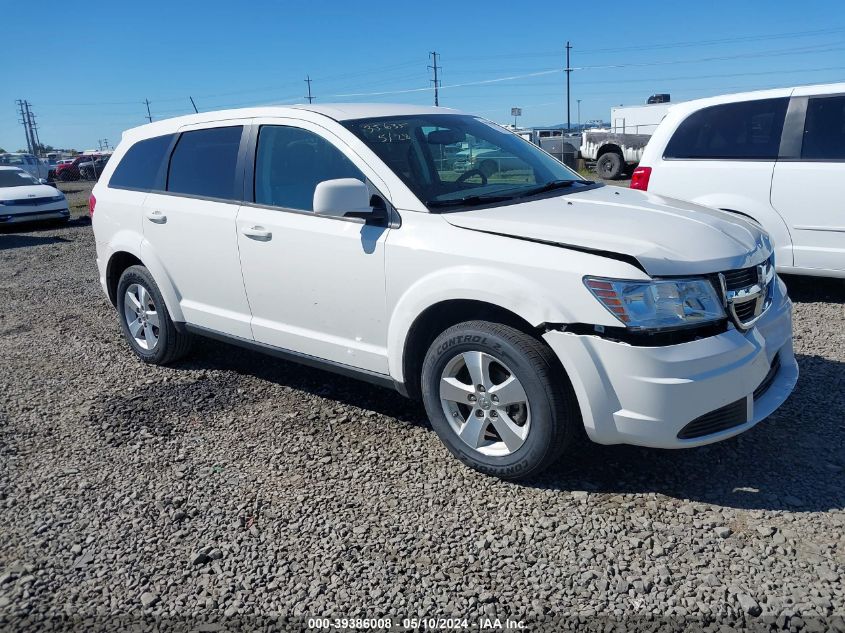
[(156, 217), (257, 233)]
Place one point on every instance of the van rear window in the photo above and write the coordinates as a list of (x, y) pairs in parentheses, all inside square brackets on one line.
[(743, 130), (141, 167)]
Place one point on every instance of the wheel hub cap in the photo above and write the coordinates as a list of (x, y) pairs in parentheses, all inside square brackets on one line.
[(485, 403), (141, 316)]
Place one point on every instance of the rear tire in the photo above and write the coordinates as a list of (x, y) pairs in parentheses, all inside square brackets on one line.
[(520, 418), (610, 165), (145, 321)]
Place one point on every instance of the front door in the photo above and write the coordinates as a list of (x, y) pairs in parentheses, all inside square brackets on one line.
[(315, 283)]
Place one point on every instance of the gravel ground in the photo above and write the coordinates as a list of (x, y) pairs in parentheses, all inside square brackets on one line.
[(237, 488)]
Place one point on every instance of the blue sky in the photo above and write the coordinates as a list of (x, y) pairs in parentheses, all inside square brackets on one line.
[(86, 68)]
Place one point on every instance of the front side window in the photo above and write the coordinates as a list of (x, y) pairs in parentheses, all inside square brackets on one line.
[(744, 130), (289, 164), (204, 163), (824, 129), (140, 167), (458, 160), (11, 159)]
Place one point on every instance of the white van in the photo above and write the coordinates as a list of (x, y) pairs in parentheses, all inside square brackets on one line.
[(523, 305), (774, 156)]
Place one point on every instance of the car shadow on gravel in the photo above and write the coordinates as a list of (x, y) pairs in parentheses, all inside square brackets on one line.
[(9, 241), (803, 289), (211, 355), (792, 461)]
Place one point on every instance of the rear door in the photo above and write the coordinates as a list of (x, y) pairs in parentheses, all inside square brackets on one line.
[(807, 187), (190, 227)]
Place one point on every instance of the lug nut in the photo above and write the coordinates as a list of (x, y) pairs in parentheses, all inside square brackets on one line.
[(493, 414), (494, 398), (479, 413), (471, 397), (481, 388)]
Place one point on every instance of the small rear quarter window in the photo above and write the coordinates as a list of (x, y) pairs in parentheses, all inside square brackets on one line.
[(141, 167)]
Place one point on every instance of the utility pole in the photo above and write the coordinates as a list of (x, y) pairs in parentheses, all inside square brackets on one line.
[(25, 124), (194, 104), (568, 71), (149, 116), (579, 114), (33, 130), (310, 97), (435, 81)]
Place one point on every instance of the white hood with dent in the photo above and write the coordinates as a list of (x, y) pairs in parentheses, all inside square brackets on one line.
[(666, 236)]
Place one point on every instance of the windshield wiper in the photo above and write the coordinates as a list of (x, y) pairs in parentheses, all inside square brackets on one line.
[(554, 184), (468, 201)]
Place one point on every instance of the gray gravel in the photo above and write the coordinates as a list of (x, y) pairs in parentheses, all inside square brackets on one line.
[(239, 488)]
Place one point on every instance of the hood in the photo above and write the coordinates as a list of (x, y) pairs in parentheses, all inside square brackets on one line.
[(28, 191), (666, 236)]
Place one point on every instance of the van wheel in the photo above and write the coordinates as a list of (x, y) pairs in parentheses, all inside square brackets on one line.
[(496, 397), (609, 166), (144, 319)]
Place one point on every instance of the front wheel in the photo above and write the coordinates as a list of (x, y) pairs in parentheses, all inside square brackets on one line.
[(498, 400)]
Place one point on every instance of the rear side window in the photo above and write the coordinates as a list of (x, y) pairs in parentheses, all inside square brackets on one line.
[(744, 130), (204, 163), (291, 162), (140, 167), (824, 129)]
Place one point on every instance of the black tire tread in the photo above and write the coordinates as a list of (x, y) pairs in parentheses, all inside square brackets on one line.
[(179, 342), (559, 390)]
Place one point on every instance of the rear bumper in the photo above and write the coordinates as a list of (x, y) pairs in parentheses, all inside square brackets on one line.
[(647, 395)]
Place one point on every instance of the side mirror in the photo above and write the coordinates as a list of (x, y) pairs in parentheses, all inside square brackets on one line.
[(342, 197), (43, 181)]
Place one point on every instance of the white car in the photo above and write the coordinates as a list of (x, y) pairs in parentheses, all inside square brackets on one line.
[(33, 165), (522, 313), (774, 156), (25, 199)]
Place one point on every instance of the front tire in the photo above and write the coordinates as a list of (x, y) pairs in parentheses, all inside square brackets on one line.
[(497, 399), (144, 319)]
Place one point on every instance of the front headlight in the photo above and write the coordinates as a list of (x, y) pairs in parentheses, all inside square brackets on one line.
[(659, 304), (58, 198)]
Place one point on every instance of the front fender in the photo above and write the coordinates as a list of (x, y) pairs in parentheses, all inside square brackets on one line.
[(501, 288)]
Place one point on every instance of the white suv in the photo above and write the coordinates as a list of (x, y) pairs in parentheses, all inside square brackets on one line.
[(775, 156), (522, 306)]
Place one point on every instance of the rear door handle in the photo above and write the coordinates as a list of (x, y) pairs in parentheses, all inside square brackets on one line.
[(156, 216), (257, 233)]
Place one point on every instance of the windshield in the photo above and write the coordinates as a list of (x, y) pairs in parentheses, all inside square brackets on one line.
[(458, 160), (16, 178)]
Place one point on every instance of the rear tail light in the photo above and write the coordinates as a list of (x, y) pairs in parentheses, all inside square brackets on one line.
[(92, 202), (640, 178)]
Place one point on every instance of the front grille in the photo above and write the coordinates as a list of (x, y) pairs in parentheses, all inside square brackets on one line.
[(769, 379), (745, 311), (24, 202), (742, 278), (748, 292), (721, 419)]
